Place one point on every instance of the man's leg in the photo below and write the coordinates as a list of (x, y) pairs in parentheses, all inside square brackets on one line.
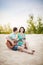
[(24, 50)]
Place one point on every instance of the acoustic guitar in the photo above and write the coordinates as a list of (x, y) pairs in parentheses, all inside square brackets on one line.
[(10, 45)]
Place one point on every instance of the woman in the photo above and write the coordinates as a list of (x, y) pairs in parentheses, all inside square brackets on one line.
[(22, 38)]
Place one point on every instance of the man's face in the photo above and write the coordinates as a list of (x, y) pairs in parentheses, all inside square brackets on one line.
[(16, 31)]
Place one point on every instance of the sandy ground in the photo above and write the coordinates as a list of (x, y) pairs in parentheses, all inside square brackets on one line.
[(9, 57)]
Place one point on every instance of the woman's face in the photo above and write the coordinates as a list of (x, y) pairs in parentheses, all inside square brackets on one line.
[(21, 30)]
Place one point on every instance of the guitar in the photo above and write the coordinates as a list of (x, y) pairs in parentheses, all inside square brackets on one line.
[(10, 45)]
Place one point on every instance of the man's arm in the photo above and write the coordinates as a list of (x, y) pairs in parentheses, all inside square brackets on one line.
[(8, 38)]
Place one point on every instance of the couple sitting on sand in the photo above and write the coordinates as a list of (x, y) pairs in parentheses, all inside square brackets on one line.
[(17, 41)]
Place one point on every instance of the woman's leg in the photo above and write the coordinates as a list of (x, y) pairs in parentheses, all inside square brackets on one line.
[(26, 46)]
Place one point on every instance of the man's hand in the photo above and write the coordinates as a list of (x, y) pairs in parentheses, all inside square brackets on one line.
[(13, 43)]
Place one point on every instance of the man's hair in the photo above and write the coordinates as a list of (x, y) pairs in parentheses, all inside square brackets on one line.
[(23, 29), (14, 29)]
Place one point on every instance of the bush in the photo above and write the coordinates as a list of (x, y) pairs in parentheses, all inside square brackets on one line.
[(5, 29), (33, 28)]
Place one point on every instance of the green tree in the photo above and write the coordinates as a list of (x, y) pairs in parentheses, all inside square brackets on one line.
[(6, 29), (33, 28), (40, 26)]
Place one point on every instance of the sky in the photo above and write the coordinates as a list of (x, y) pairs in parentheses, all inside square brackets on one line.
[(16, 12)]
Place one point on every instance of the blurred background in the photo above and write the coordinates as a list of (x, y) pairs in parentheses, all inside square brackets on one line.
[(17, 13)]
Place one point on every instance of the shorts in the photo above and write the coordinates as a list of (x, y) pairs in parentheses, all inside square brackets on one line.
[(15, 48)]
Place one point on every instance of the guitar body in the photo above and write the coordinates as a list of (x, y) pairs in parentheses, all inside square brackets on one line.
[(9, 44)]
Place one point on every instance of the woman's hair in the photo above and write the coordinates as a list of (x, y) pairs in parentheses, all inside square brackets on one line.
[(14, 29), (23, 29)]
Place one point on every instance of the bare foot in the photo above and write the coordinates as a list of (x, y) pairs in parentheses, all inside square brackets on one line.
[(33, 50), (31, 53)]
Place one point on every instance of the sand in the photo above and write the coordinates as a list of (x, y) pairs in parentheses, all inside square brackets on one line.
[(9, 57)]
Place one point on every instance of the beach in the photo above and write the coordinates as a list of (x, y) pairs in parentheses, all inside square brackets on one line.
[(9, 57)]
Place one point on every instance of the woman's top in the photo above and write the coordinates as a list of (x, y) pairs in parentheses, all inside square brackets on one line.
[(21, 38)]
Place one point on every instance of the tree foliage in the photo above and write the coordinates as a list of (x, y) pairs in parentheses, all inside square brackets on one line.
[(34, 28), (5, 29)]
